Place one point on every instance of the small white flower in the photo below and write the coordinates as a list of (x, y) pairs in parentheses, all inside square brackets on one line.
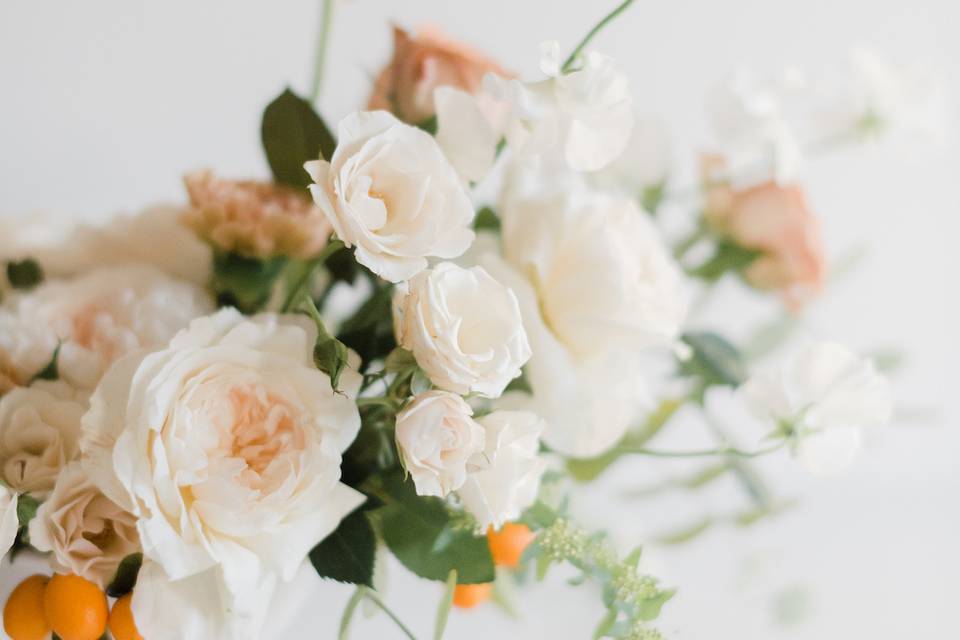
[(583, 117), (826, 394), (463, 327), (95, 318), (500, 493), (9, 523), (438, 440), (227, 446), (39, 434), (389, 191), (644, 163), (86, 532)]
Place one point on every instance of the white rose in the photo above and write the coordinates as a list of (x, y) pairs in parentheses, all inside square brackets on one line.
[(95, 318), (437, 437), (9, 523), (584, 117), (87, 533), (827, 393), (153, 236), (463, 327), (389, 191), (500, 493), (39, 434), (227, 447)]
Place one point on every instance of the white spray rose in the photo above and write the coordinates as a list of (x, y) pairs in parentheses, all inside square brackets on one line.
[(87, 533), (463, 327), (9, 523), (227, 447), (500, 493), (827, 393), (389, 191), (438, 438), (95, 318), (583, 117), (39, 434)]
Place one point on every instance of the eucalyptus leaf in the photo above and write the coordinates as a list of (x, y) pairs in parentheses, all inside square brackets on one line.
[(348, 554), (293, 134)]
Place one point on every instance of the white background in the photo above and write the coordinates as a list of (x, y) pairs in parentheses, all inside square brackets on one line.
[(104, 104)]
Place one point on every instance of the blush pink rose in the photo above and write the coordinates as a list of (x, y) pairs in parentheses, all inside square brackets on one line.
[(421, 64), (775, 220)]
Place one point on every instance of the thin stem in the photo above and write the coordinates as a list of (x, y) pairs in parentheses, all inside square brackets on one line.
[(323, 39), (572, 58), (372, 596), (304, 280), (703, 453)]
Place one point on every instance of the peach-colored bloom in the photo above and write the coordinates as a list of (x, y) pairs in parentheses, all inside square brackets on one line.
[(256, 219), (775, 220), (421, 64)]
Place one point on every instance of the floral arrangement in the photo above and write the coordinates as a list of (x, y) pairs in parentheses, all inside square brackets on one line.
[(418, 336)]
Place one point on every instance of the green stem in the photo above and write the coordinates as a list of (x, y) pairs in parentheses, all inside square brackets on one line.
[(702, 453), (304, 280), (323, 40), (372, 596), (572, 58), (690, 242)]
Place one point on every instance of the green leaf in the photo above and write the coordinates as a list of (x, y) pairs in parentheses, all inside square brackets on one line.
[(24, 274), (714, 360), (292, 134), (347, 554), (606, 624), (348, 612), (51, 371), (649, 609), (652, 196), (443, 611), (27, 507), (486, 220), (411, 524), (245, 283), (369, 331), (399, 360), (520, 384), (728, 257), (126, 576), (329, 354), (429, 125)]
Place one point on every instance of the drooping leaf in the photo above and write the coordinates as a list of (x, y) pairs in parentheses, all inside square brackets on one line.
[(347, 554), (410, 525), (714, 360), (24, 274), (126, 577), (292, 134), (245, 283)]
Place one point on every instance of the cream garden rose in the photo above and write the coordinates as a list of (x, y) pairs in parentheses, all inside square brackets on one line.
[(501, 492), (389, 191), (39, 434), (9, 523), (87, 533), (438, 440), (226, 446), (95, 318), (463, 327)]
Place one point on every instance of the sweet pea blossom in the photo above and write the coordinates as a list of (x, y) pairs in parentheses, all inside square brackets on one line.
[(438, 440), (463, 327), (389, 191), (825, 394), (226, 446), (502, 491)]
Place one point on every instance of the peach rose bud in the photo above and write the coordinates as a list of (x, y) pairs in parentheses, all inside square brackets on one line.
[(420, 65), (252, 218)]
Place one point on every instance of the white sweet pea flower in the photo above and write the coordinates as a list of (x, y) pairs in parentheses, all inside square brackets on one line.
[(500, 493), (469, 128), (463, 327), (824, 395), (584, 116), (95, 318), (39, 434), (87, 533), (226, 446), (438, 440), (389, 191), (596, 287), (9, 523), (644, 163)]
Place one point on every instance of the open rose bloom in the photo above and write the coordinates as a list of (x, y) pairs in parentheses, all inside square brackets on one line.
[(406, 344)]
